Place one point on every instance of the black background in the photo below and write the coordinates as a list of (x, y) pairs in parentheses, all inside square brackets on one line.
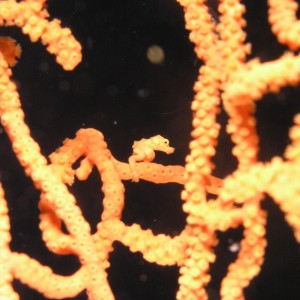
[(119, 92)]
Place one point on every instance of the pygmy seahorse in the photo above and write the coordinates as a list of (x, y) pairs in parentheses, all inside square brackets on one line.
[(144, 150)]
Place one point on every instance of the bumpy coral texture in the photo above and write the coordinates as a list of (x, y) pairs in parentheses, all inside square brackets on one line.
[(226, 76)]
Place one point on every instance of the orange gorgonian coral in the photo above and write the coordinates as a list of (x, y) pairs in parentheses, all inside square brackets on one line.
[(228, 78)]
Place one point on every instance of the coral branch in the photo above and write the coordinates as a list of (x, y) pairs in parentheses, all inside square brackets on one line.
[(226, 80)]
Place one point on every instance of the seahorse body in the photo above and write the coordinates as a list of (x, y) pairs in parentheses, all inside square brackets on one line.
[(144, 150)]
